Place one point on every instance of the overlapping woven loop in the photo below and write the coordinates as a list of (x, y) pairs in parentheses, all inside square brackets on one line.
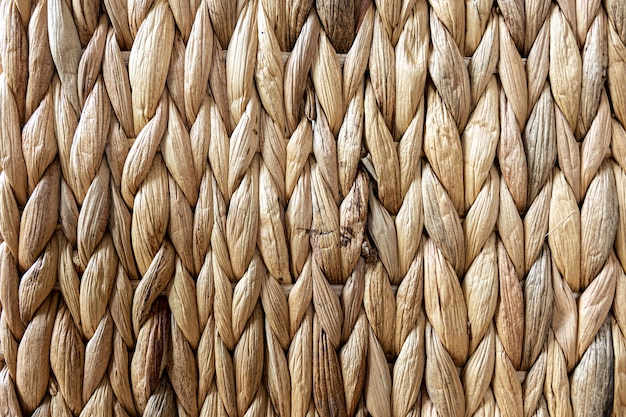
[(313, 208)]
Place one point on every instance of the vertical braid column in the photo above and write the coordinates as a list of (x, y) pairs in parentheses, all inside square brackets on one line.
[(184, 16), (408, 339), (98, 263), (67, 358), (408, 369), (298, 216), (238, 319), (329, 111), (145, 189), (353, 356), (209, 397), (49, 204), (300, 355), (514, 102), (353, 209), (354, 190), (337, 32), (117, 83), (539, 138), (30, 181), (328, 389), (482, 185), (524, 186), (570, 184), (372, 338), (594, 347), (186, 139), (193, 231), (447, 113), (393, 137), (509, 321), (203, 255), (564, 237), (272, 236), (213, 303), (21, 162), (597, 278)]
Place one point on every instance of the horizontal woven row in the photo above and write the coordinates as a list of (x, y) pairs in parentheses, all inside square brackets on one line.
[(297, 208)]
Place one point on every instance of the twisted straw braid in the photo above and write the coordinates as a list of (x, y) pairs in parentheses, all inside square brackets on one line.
[(539, 136), (30, 180), (409, 122), (447, 113), (239, 232), (382, 270), (598, 267), (146, 188), (524, 185), (187, 139), (482, 201), (565, 220), (598, 273), (482, 185), (272, 237), (101, 305), (329, 395), (235, 231), (507, 390), (117, 148), (13, 176), (199, 110), (298, 215)]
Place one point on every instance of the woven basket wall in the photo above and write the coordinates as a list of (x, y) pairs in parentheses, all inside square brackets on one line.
[(313, 208)]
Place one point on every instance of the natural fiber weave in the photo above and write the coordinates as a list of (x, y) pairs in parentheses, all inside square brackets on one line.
[(298, 208)]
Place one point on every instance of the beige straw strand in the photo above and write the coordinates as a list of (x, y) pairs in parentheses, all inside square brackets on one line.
[(617, 55), (239, 323), (15, 59), (299, 212), (618, 329), (272, 236), (105, 308), (329, 390), (178, 148), (618, 335), (118, 85), (28, 264), (149, 196), (481, 202), (539, 141), (408, 339)]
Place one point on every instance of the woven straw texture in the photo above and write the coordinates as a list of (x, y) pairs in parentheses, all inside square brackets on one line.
[(313, 208)]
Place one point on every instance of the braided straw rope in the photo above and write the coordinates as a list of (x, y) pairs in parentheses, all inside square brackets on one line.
[(313, 208)]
